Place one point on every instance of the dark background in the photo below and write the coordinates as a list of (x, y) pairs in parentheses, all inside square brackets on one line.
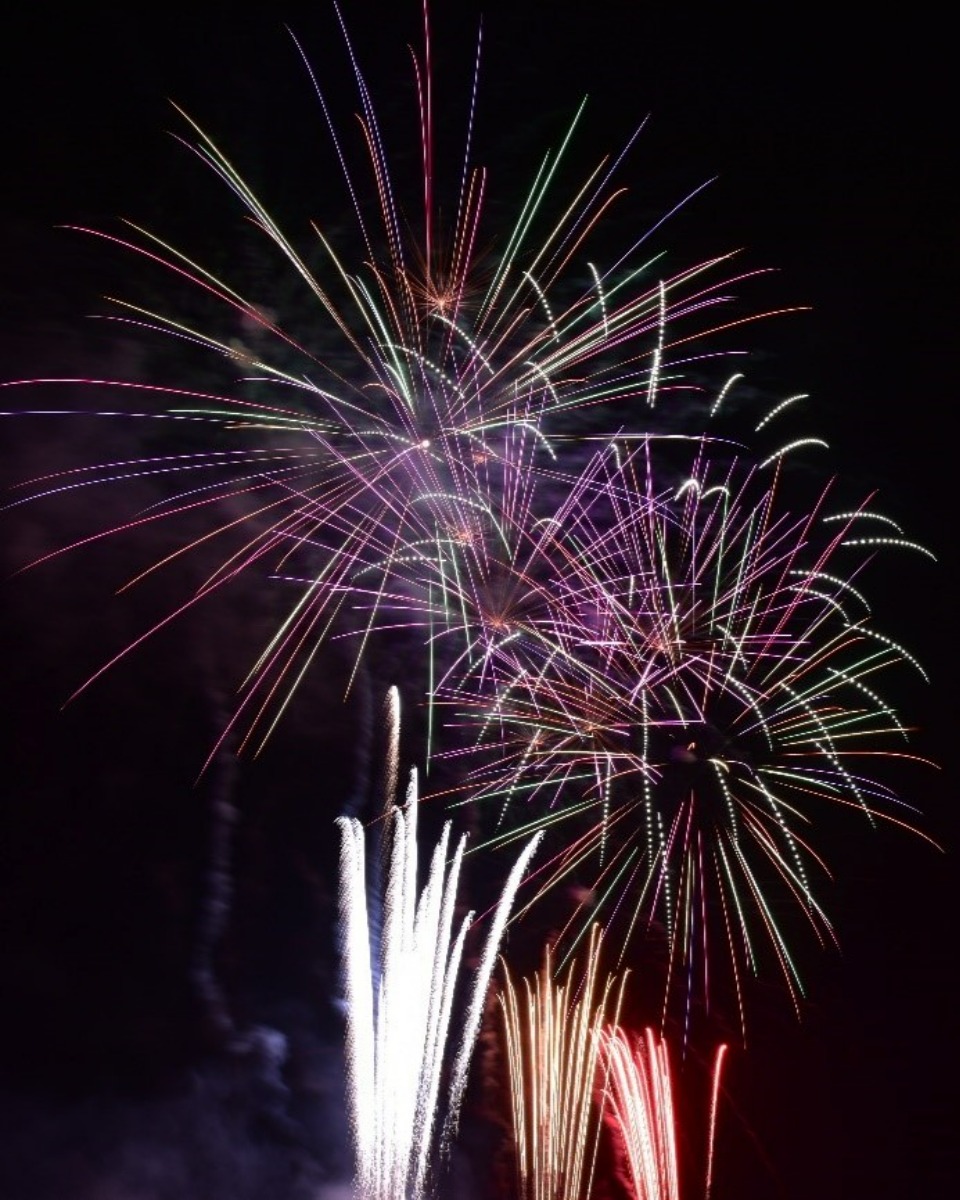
[(832, 148)]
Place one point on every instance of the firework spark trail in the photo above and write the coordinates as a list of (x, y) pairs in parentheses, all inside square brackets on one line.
[(641, 1106), (553, 1041), (400, 1001)]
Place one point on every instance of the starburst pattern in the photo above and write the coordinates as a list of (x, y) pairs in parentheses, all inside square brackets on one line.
[(694, 682)]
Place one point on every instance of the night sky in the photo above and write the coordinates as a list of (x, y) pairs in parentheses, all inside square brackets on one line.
[(830, 152)]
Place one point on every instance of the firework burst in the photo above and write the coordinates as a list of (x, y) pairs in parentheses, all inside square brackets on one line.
[(376, 458), (700, 682)]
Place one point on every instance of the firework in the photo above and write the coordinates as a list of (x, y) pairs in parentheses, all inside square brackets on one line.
[(700, 681), (553, 1043), (399, 1003), (642, 1112), (668, 667), (380, 458)]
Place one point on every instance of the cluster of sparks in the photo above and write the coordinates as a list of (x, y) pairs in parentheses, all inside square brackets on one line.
[(571, 1066), (640, 1088), (553, 1038), (399, 1003), (636, 641)]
